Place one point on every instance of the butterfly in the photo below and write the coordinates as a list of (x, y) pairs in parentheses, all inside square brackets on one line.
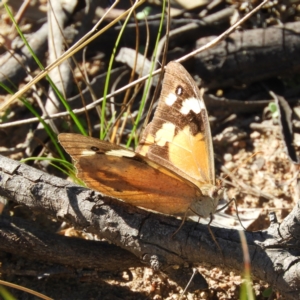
[(172, 171)]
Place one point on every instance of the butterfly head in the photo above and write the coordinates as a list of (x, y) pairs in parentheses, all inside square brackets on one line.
[(209, 200)]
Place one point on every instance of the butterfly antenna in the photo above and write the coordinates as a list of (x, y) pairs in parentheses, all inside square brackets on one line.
[(237, 213), (226, 205), (233, 199), (236, 209)]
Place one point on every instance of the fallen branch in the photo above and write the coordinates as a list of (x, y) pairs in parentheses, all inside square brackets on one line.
[(274, 252)]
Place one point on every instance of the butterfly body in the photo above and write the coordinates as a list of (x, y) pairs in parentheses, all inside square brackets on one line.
[(172, 170)]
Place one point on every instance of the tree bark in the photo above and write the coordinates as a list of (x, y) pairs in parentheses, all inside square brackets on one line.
[(26, 239), (249, 56), (274, 252)]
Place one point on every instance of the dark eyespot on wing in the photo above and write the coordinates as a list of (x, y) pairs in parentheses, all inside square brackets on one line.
[(179, 90), (97, 150)]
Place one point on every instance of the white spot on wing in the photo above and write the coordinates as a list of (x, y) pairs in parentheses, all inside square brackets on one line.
[(170, 99), (87, 153), (192, 104), (165, 134), (120, 153)]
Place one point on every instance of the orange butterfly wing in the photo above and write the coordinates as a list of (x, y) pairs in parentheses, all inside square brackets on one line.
[(126, 175), (179, 136)]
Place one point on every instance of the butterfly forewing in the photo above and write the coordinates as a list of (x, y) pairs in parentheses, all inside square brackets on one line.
[(179, 135), (123, 174)]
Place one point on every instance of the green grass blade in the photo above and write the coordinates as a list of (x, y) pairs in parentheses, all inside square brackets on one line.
[(103, 130), (59, 95), (146, 91)]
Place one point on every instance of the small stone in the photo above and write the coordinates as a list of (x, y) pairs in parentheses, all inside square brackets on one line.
[(228, 157), (255, 135)]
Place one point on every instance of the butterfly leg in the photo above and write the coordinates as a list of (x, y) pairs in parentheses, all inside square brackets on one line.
[(182, 222), (213, 236)]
